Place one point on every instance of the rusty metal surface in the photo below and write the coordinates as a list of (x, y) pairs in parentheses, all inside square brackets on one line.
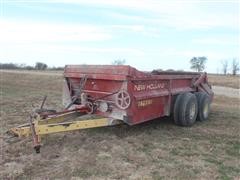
[(124, 93)]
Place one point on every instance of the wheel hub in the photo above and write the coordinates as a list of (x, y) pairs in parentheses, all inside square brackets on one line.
[(205, 110), (192, 111)]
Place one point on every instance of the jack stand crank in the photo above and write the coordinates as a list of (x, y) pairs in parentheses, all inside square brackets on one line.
[(36, 138)]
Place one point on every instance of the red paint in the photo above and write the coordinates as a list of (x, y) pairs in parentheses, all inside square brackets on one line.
[(151, 94)]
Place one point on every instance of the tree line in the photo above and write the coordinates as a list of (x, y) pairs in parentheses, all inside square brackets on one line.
[(199, 64), (38, 66)]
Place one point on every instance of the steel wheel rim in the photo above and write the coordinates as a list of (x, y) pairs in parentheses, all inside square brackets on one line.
[(206, 110), (192, 111)]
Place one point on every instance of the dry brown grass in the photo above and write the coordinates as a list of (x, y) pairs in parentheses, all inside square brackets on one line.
[(153, 150), (227, 81)]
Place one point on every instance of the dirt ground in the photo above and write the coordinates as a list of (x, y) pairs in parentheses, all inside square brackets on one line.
[(226, 91), (154, 150)]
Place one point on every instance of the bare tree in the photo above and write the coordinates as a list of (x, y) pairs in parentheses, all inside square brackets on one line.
[(235, 67), (198, 63), (225, 67), (119, 62)]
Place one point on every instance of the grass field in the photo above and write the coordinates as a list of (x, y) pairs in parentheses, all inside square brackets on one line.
[(227, 81), (153, 150)]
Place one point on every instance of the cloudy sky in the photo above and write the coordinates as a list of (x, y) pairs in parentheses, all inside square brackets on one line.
[(149, 34)]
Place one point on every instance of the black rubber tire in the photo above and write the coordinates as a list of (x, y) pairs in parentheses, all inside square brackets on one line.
[(203, 101), (176, 108), (186, 103)]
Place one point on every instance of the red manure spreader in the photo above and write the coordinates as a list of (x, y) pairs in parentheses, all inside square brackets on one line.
[(120, 94)]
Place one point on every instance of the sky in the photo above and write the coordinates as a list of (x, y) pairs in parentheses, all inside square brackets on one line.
[(148, 34)]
